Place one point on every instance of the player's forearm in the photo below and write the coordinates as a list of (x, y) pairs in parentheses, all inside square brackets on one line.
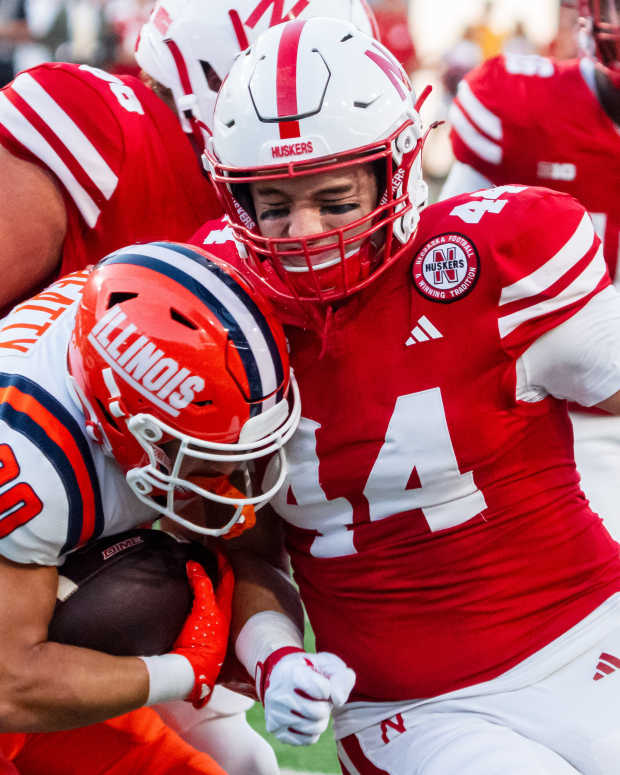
[(259, 587), (54, 687)]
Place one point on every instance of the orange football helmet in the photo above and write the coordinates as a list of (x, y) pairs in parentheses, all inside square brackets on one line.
[(170, 343)]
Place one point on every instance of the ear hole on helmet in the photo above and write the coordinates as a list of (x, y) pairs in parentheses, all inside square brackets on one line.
[(179, 318), (212, 77), (118, 298), (206, 402)]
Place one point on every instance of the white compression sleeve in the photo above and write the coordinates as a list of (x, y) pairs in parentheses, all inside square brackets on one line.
[(580, 359), (264, 633), (171, 677)]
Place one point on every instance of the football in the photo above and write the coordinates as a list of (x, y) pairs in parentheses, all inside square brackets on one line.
[(127, 594)]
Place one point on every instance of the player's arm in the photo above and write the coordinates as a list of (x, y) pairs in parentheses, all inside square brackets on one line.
[(46, 686), (298, 689), (611, 404), (579, 359), (33, 223)]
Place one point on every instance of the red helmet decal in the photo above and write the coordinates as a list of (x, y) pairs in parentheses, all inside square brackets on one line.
[(286, 79)]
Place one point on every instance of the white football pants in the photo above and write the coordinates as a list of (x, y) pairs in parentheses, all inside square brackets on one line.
[(566, 724), (221, 730)]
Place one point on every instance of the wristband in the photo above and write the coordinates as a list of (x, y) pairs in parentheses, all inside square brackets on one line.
[(264, 633), (263, 669), (171, 677)]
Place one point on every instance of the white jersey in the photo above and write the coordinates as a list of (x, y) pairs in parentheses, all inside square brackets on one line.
[(58, 489)]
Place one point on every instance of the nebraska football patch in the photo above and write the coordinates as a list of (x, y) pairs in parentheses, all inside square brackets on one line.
[(446, 268)]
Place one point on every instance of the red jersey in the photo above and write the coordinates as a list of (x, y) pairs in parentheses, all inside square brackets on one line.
[(127, 170), (435, 522), (533, 120)]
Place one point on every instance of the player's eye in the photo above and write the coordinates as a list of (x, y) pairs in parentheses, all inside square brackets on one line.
[(273, 213), (339, 208)]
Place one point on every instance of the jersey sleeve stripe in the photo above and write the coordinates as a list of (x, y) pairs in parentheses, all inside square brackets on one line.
[(581, 287), (62, 125), (478, 114), (550, 272), (31, 411), (15, 123), (483, 147)]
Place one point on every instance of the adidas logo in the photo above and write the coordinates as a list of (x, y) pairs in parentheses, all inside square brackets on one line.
[(607, 664), (423, 331)]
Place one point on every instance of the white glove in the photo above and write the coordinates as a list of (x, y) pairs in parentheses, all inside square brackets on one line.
[(299, 690)]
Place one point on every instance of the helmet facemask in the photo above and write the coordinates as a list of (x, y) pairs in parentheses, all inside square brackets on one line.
[(180, 366), (356, 253), (319, 98), (161, 484)]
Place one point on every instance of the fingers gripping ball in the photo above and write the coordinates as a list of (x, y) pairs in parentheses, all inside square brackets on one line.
[(299, 691), (204, 637), (127, 594)]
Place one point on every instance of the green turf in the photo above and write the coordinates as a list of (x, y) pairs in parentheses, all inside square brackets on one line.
[(320, 757)]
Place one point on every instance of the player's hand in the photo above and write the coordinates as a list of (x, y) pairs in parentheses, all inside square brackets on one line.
[(204, 637), (299, 691)]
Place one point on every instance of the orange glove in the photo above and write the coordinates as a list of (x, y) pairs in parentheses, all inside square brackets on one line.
[(204, 637)]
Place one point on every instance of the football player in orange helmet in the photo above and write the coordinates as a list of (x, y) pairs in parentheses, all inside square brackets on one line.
[(124, 389)]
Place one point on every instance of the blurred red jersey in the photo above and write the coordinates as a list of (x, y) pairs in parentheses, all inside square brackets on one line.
[(127, 170), (536, 121)]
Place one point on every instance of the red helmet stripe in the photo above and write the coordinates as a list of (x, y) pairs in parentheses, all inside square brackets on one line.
[(181, 66), (242, 38), (286, 78)]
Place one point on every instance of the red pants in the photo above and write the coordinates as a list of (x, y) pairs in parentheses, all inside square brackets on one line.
[(138, 743)]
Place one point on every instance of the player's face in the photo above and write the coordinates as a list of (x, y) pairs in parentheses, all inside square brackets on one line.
[(192, 467), (311, 205)]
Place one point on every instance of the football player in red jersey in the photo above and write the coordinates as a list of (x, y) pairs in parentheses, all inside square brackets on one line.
[(122, 391), (91, 161), (465, 598), (538, 121)]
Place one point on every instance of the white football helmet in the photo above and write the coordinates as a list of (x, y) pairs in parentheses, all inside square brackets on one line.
[(311, 97), (189, 45)]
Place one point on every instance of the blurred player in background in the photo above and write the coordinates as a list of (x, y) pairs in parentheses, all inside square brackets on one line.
[(99, 161), (538, 121), (465, 599), (393, 30), (122, 391)]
